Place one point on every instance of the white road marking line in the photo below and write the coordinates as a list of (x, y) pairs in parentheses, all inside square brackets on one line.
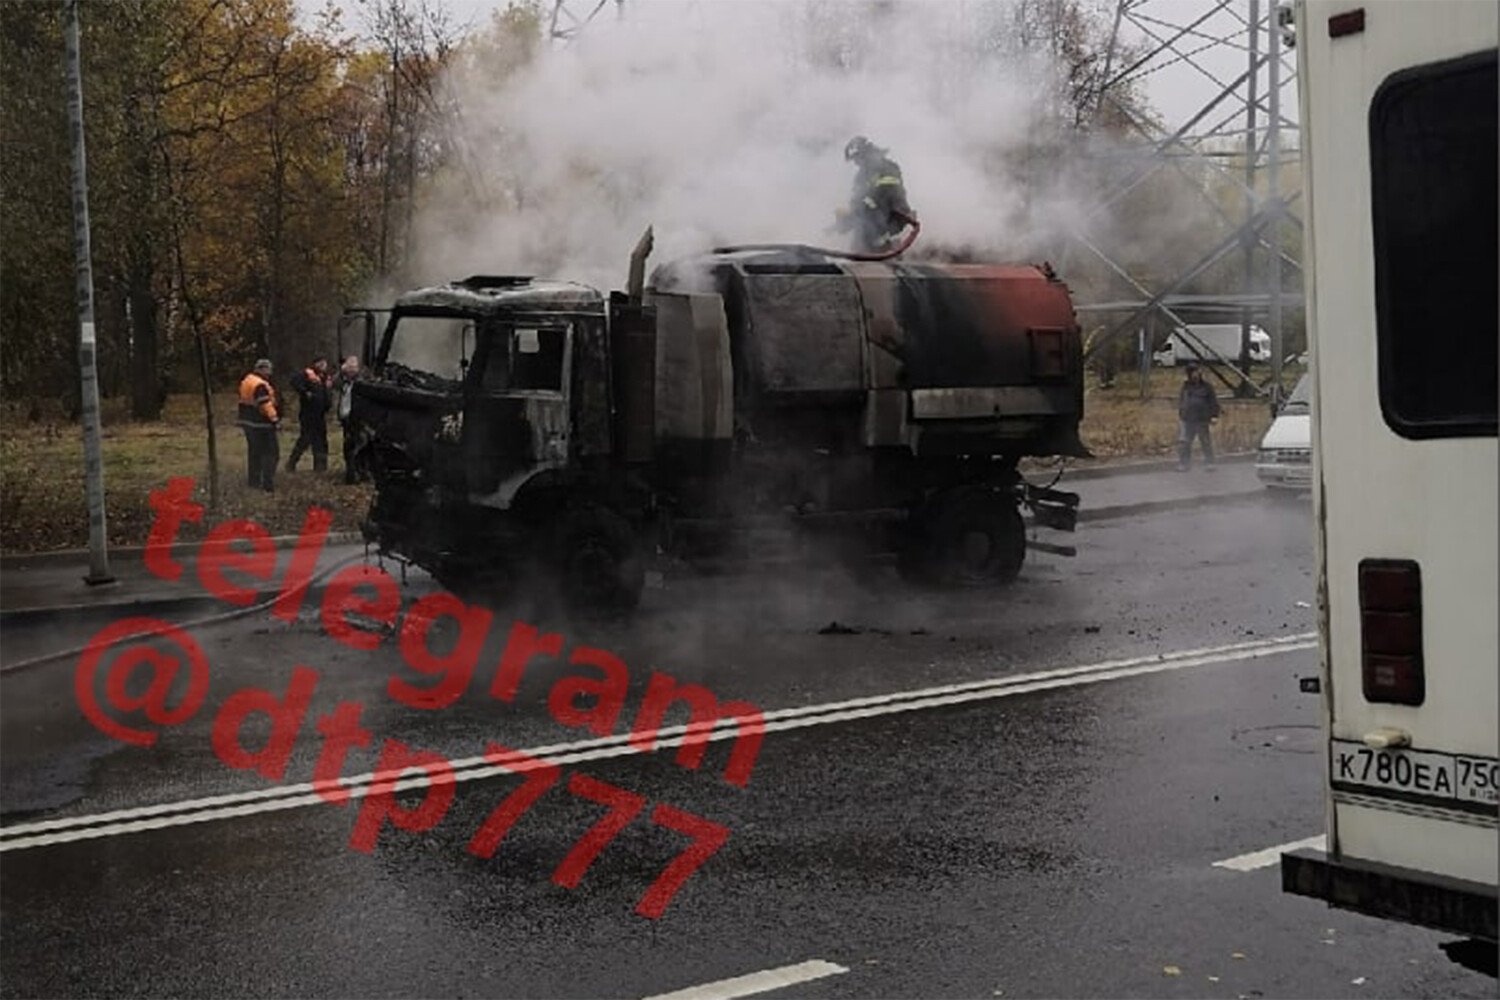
[(1271, 855), (24, 835), (756, 982)]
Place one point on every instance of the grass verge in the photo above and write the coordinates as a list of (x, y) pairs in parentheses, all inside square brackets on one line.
[(1119, 424), (43, 503), (43, 498)]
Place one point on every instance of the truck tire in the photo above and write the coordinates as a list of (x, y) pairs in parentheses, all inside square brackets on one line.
[(596, 561), (971, 537)]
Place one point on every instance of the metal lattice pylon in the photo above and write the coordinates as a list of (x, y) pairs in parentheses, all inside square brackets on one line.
[(571, 17), (1249, 105)]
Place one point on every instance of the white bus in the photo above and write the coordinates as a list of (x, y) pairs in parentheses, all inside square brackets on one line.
[(1399, 141)]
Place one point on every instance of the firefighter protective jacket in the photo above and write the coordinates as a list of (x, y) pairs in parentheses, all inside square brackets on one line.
[(880, 206)]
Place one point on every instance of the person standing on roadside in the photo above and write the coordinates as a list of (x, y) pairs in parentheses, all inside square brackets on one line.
[(343, 392), (260, 420), (1197, 408), (312, 385)]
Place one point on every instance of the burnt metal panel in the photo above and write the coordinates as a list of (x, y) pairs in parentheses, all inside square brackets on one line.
[(694, 393), (808, 332), (878, 288), (968, 325), (590, 390), (496, 440), (716, 374), (885, 418), (997, 401), (633, 332), (1049, 352)]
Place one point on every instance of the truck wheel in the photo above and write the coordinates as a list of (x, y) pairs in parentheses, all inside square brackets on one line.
[(598, 566), (972, 538)]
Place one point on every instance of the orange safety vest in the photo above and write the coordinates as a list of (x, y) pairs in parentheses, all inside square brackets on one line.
[(256, 412)]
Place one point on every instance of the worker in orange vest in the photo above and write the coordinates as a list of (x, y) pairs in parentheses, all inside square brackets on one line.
[(260, 420)]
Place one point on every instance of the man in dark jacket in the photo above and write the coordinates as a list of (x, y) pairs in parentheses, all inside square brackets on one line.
[(314, 395), (1197, 407), (878, 211)]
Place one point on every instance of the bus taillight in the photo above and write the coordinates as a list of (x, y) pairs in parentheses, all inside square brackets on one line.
[(1390, 614)]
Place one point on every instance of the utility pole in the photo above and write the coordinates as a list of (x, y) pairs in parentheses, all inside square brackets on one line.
[(93, 462), (1252, 153), (1273, 23)]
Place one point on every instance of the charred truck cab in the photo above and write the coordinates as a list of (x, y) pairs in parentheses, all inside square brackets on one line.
[(520, 428)]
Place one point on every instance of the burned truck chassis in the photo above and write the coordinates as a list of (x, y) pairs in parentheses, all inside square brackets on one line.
[(589, 536)]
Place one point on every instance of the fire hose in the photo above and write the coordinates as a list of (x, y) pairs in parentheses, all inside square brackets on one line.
[(913, 229)]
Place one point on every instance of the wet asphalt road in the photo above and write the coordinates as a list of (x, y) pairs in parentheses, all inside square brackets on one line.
[(1054, 843)]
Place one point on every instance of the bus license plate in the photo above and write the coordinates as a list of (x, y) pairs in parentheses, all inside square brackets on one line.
[(1419, 772)]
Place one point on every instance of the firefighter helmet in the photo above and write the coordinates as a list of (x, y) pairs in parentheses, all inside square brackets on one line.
[(858, 147)]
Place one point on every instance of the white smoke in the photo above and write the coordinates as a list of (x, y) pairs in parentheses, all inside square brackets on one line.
[(716, 123)]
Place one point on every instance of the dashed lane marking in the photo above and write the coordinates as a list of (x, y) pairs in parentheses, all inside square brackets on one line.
[(292, 796), (1271, 855), (756, 982)]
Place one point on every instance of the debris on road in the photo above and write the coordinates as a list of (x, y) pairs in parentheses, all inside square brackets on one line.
[(1171, 970), (834, 628)]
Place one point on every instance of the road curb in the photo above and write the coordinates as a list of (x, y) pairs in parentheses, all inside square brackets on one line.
[(1127, 468), (22, 560), (153, 604), (177, 602), (1162, 506), (138, 606)]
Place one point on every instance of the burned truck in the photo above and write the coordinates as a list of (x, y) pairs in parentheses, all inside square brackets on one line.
[(527, 429)]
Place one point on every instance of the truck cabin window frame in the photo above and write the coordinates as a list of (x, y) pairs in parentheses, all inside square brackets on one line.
[(525, 357), (435, 344)]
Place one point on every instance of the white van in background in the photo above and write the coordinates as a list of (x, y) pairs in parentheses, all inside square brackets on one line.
[(1221, 338)]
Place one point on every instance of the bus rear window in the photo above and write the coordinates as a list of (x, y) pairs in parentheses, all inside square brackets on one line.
[(1433, 189)]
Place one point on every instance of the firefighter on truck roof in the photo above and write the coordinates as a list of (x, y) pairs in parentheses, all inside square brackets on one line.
[(878, 211)]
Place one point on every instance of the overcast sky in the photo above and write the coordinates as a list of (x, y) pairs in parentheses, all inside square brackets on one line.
[(1175, 88)]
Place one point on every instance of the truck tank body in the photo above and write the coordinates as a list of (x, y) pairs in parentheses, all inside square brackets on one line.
[(933, 359)]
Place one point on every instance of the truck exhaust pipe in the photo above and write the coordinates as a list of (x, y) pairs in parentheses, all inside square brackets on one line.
[(636, 283)]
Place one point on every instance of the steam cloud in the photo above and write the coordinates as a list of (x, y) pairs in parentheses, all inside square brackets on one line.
[(724, 123)]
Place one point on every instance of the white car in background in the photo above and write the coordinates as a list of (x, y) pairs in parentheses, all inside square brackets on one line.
[(1285, 459)]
